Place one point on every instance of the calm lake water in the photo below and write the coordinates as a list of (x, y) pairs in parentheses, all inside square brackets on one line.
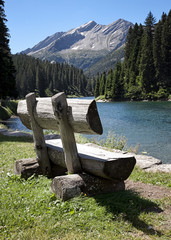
[(144, 123)]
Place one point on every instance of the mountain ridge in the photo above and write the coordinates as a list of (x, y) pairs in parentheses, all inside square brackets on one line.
[(82, 46)]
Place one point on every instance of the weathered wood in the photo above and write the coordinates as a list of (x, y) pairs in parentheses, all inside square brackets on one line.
[(27, 167), (60, 108), (69, 186), (96, 161), (82, 115), (38, 136)]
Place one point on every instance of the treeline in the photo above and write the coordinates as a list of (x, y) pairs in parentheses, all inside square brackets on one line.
[(146, 70), (7, 70), (46, 79)]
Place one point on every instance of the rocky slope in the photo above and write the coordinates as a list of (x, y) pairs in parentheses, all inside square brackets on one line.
[(82, 46)]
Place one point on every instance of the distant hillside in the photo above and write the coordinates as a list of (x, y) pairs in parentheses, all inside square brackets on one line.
[(84, 46), (106, 63), (47, 79)]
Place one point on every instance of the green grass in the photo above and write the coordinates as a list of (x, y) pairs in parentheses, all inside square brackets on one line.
[(158, 178), (29, 210)]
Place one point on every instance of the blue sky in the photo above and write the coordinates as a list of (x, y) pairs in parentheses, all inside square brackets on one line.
[(31, 21)]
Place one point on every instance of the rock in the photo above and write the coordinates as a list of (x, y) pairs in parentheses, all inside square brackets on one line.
[(51, 136), (144, 161), (11, 133), (69, 186), (160, 168)]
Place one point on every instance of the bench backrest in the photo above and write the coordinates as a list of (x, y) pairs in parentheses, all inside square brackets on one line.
[(58, 113)]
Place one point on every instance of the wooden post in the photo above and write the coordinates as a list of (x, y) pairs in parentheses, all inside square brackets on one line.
[(38, 136), (60, 108)]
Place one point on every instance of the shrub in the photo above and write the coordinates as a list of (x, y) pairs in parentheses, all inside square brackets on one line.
[(7, 109), (162, 94)]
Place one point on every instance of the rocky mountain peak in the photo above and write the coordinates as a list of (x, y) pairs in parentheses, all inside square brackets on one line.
[(84, 45)]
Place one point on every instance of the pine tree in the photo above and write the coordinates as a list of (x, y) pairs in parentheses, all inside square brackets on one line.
[(96, 91), (7, 70), (89, 86), (166, 52), (146, 67), (128, 50), (116, 90), (108, 84), (157, 52), (102, 83), (40, 80)]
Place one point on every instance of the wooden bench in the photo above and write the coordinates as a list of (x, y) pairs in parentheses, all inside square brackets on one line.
[(88, 165)]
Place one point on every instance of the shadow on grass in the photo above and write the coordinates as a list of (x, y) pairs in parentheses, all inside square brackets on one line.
[(5, 138), (129, 205)]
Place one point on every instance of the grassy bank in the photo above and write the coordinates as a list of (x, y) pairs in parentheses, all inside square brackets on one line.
[(7, 109), (29, 210)]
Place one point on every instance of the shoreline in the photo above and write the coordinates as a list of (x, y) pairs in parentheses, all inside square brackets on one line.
[(132, 100), (145, 162)]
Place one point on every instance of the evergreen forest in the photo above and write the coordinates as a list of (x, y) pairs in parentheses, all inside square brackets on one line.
[(145, 72), (7, 70), (47, 78), (21, 74)]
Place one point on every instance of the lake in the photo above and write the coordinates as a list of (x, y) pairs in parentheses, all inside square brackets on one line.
[(144, 123)]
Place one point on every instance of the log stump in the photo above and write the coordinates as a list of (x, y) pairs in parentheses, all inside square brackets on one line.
[(28, 167), (69, 186)]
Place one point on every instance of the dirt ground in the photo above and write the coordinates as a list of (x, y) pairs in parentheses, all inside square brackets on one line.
[(151, 192), (148, 190)]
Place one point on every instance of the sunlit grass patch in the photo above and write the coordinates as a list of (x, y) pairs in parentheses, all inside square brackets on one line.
[(29, 210), (158, 178)]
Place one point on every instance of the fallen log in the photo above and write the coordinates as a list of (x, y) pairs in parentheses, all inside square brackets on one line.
[(27, 167), (96, 161), (69, 186), (82, 115), (30, 166)]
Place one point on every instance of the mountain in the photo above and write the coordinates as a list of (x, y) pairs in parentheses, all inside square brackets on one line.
[(83, 46), (106, 63)]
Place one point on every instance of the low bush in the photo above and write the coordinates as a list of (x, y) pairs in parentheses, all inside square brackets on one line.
[(7, 109)]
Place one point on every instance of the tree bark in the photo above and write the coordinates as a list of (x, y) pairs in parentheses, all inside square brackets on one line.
[(69, 186)]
